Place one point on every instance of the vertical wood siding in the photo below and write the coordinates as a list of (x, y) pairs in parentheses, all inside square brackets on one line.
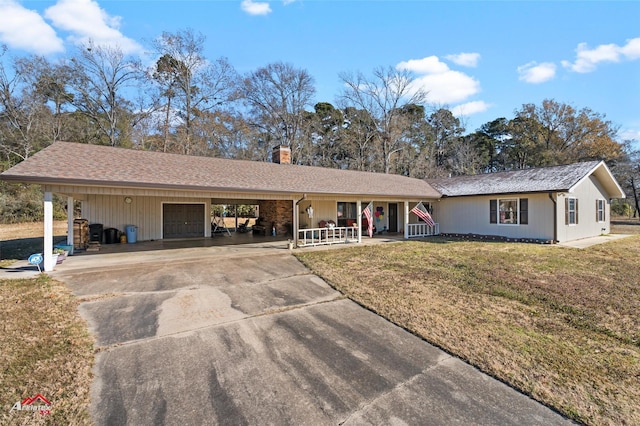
[(144, 212)]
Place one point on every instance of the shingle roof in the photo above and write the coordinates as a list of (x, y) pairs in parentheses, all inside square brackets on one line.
[(84, 164), (546, 179)]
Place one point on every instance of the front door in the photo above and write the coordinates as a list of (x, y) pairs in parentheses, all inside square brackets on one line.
[(182, 220), (393, 217)]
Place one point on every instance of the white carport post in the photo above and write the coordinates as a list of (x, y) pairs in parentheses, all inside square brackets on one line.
[(47, 255), (406, 220), (70, 212), (359, 209), (296, 224)]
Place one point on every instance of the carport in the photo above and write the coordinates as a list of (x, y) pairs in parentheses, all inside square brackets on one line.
[(170, 196)]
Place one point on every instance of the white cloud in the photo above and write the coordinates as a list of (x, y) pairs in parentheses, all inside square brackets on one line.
[(534, 72), (428, 65), (255, 8), (629, 134), (24, 29), (465, 59), (470, 108), (443, 85), (588, 59), (85, 20)]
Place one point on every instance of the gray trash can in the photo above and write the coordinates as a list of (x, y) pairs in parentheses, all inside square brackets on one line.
[(132, 233)]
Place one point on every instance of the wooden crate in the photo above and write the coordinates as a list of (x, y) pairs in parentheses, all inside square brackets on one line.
[(80, 234)]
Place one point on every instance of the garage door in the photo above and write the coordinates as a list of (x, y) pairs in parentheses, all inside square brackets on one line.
[(182, 220)]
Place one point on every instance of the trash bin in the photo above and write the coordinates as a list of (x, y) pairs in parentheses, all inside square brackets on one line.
[(95, 232), (111, 236), (132, 232)]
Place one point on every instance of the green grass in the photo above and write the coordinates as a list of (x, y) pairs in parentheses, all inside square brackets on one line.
[(559, 324), (44, 349)]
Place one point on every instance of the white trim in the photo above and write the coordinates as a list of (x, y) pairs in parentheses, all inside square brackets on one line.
[(603, 210), (519, 218), (611, 178), (575, 212)]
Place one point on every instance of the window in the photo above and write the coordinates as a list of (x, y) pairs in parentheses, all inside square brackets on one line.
[(571, 211), (600, 210), (347, 214), (509, 211)]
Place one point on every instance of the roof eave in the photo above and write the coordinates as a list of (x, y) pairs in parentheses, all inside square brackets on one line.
[(36, 180)]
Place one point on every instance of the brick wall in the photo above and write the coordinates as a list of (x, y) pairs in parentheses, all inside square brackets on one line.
[(278, 211)]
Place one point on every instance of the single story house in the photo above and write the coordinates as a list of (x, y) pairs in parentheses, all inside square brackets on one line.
[(169, 196), (554, 204)]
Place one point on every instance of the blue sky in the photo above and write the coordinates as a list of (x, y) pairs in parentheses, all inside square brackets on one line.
[(480, 59)]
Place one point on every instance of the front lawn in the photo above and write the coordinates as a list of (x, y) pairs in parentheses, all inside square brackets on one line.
[(559, 324), (44, 349)]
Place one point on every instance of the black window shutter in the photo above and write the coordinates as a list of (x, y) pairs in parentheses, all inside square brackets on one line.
[(576, 211), (524, 211), (566, 211), (493, 211)]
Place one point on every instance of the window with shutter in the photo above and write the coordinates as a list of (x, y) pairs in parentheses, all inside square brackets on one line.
[(571, 211), (524, 211), (493, 211), (600, 210)]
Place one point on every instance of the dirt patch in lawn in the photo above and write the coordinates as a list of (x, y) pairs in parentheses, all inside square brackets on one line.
[(560, 324)]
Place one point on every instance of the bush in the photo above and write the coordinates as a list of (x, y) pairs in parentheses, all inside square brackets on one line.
[(622, 208), (24, 203)]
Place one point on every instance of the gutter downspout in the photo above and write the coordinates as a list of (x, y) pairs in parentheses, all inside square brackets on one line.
[(555, 217), (296, 219)]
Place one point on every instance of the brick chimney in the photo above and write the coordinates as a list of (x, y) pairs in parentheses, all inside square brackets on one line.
[(281, 154)]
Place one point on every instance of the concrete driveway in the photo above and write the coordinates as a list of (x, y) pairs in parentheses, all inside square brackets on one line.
[(252, 337)]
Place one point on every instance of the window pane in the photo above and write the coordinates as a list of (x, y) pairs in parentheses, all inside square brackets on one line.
[(508, 211)]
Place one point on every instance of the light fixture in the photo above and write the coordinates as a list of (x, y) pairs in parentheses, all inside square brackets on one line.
[(128, 200)]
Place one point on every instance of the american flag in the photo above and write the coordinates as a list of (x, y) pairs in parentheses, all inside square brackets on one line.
[(367, 214), (423, 214)]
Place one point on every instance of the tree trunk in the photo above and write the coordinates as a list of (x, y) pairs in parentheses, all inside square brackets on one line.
[(635, 197)]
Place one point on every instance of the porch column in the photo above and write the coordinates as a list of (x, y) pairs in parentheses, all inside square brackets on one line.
[(47, 254), (359, 210), (296, 220), (406, 220), (70, 211)]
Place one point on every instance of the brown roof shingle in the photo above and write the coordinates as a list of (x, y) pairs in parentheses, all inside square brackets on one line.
[(96, 165)]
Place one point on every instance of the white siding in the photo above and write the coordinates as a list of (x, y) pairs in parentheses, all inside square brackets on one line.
[(470, 215), (322, 210), (586, 193)]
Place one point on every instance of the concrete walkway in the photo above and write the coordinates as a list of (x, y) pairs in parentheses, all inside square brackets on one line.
[(247, 335), (588, 242)]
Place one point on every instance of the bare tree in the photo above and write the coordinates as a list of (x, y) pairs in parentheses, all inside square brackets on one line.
[(189, 82), (25, 119), (102, 75), (383, 97), (277, 96)]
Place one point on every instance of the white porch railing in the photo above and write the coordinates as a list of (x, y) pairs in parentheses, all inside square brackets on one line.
[(325, 236), (417, 230)]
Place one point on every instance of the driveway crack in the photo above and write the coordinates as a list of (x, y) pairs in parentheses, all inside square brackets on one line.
[(365, 406)]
